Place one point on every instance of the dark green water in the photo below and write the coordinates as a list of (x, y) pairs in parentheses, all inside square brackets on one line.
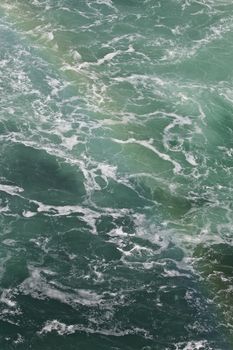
[(116, 145)]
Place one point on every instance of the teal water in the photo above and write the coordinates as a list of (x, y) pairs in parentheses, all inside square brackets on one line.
[(116, 145)]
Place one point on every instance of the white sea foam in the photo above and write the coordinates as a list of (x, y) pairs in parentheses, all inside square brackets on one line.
[(6, 298), (10, 189), (37, 286), (149, 145), (191, 159), (107, 58), (49, 36), (89, 216), (193, 345), (62, 329), (28, 213)]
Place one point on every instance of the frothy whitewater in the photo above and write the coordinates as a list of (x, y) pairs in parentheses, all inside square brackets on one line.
[(116, 174)]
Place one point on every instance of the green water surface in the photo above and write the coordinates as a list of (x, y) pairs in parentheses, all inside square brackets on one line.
[(116, 145)]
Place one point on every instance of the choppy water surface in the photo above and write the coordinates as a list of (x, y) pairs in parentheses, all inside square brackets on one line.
[(116, 144)]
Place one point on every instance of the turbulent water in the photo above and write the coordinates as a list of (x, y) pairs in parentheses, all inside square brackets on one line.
[(116, 145)]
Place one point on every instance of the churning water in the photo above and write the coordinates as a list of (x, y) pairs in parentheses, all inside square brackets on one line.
[(116, 164)]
